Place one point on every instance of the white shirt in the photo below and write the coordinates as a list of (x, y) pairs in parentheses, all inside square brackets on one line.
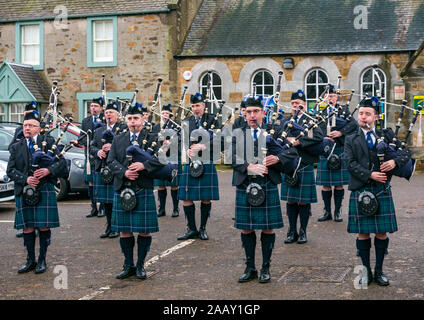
[(33, 138), (372, 135), (252, 131)]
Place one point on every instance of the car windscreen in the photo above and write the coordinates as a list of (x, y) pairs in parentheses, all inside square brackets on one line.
[(5, 140), (67, 137)]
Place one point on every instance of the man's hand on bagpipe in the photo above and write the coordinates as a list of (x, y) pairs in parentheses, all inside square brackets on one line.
[(106, 147), (32, 181), (41, 173), (388, 166), (270, 160), (101, 154), (136, 166), (335, 134), (131, 175), (379, 176), (257, 169)]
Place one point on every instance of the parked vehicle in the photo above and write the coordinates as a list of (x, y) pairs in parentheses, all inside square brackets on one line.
[(75, 181)]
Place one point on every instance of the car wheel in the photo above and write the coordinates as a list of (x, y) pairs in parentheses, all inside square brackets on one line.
[(61, 188)]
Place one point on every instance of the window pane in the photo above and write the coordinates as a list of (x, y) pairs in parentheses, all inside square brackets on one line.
[(259, 90), (109, 50), (108, 33), (322, 77), (258, 79), (268, 78), (216, 80), (367, 77), (269, 90), (367, 88), (311, 92), (30, 34), (311, 78), (218, 92), (98, 30)]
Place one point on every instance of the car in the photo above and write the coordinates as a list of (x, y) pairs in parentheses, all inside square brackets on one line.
[(75, 181), (6, 186)]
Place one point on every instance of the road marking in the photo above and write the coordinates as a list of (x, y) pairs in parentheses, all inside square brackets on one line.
[(6, 221), (147, 264)]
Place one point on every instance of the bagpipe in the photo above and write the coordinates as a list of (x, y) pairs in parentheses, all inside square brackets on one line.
[(208, 129), (44, 159), (106, 174)]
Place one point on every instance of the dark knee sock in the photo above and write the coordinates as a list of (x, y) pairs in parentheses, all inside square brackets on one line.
[(45, 239), (162, 198), (29, 243), (190, 215), (91, 196), (364, 247), (205, 211), (304, 213), (108, 213), (326, 196), (174, 194), (267, 241), (127, 247), (338, 199), (380, 250), (143, 247), (292, 213), (248, 242)]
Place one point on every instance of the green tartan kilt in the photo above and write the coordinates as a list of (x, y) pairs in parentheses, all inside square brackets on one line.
[(44, 215), (203, 188), (326, 177), (266, 216), (165, 183), (305, 191), (88, 177), (103, 193), (383, 221), (143, 219)]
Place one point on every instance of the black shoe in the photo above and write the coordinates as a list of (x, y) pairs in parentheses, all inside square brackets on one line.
[(202, 234), (265, 276), (29, 266), (292, 236), (19, 234), (94, 212), (369, 276), (302, 237), (161, 212), (113, 234), (175, 213), (126, 272), (380, 278), (140, 272), (326, 216), (106, 233), (337, 216), (191, 234), (41, 266), (248, 275)]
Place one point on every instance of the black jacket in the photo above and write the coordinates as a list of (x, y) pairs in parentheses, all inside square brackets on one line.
[(358, 160), (240, 122), (19, 164), (240, 175), (118, 162), (97, 144), (350, 127)]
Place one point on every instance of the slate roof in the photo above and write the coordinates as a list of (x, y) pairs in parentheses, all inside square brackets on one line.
[(32, 80), (31, 9), (288, 27)]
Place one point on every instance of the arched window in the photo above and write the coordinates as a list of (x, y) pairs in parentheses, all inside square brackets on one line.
[(264, 83), (216, 85), (315, 83), (370, 84)]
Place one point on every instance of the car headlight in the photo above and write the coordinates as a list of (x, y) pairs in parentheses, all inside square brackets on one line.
[(79, 163)]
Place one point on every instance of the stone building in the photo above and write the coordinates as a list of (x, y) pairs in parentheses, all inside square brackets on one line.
[(131, 42), (312, 42)]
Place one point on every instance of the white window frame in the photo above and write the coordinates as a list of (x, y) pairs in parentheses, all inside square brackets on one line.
[(20, 108), (263, 84), (316, 84), (35, 45), (214, 86), (373, 83), (96, 42)]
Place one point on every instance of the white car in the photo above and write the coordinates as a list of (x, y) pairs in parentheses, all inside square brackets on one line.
[(6, 186)]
